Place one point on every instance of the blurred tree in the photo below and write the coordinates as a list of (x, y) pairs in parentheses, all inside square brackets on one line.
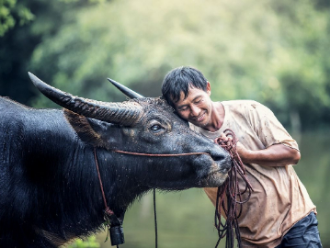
[(300, 61), (12, 12), (141, 48), (23, 25), (272, 51)]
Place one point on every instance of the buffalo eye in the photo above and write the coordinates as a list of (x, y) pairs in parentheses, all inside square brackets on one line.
[(156, 128)]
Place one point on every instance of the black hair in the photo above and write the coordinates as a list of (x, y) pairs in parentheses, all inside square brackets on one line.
[(180, 80)]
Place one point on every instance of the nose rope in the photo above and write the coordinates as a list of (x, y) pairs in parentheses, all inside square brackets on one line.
[(230, 190), (108, 212), (160, 154)]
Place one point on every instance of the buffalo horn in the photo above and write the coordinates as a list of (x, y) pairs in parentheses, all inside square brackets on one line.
[(126, 113), (127, 91)]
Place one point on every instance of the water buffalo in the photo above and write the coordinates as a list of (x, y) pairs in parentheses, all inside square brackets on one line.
[(50, 191)]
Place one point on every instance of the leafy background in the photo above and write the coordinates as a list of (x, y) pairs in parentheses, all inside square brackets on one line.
[(275, 52)]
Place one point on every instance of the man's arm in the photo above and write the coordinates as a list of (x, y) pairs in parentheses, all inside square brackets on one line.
[(274, 155)]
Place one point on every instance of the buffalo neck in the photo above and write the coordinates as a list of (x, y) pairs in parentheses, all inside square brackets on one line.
[(68, 180)]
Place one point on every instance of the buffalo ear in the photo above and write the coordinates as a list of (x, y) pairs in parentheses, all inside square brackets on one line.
[(84, 129)]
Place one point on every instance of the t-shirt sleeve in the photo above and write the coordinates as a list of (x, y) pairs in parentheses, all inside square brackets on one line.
[(269, 130)]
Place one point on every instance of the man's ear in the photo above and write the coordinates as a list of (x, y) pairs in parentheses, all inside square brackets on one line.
[(208, 88)]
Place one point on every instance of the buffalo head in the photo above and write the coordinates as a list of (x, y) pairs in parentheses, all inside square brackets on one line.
[(148, 126)]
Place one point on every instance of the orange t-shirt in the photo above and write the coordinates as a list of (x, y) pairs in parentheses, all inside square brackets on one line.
[(279, 199)]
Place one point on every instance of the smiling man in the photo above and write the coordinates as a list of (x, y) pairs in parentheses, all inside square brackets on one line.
[(280, 212)]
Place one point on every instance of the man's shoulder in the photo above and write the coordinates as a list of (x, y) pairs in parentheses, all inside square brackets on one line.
[(248, 109), (241, 105)]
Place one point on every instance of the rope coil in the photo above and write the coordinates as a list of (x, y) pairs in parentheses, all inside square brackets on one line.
[(231, 192)]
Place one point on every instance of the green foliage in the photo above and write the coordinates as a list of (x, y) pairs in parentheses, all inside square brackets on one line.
[(12, 12), (90, 242), (18, 42), (301, 59), (275, 53)]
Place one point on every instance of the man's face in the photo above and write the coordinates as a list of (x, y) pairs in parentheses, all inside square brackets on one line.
[(196, 107)]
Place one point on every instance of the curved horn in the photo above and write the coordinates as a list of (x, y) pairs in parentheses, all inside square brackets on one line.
[(127, 91), (126, 113)]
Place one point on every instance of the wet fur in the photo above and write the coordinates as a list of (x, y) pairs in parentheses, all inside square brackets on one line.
[(49, 187)]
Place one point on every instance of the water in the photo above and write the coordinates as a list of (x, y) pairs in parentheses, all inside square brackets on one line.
[(185, 219)]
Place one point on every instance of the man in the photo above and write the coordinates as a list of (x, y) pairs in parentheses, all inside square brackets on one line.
[(280, 212)]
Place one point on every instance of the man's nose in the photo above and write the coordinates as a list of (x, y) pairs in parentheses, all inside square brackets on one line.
[(194, 111)]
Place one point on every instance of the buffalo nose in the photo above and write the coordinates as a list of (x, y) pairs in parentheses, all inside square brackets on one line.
[(225, 163), (220, 156)]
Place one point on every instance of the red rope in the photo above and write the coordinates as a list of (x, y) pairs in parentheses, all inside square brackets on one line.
[(160, 154), (108, 211), (230, 190)]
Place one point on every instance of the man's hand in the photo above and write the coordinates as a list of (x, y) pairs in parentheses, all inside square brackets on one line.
[(242, 152), (225, 139)]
